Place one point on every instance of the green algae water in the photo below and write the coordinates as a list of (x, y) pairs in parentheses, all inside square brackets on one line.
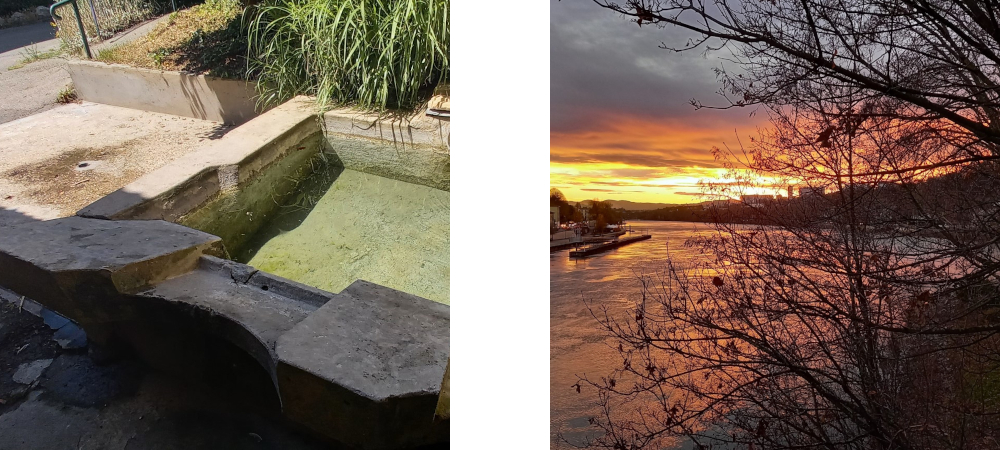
[(342, 225)]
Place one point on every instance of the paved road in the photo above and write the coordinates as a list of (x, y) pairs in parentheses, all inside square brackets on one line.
[(14, 38), (32, 88)]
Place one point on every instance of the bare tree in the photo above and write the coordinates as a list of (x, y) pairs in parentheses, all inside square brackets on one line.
[(862, 313)]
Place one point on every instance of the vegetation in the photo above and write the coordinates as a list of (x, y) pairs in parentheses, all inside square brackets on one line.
[(864, 318), (375, 54), (113, 16), (32, 54), (601, 212), (567, 212), (206, 39), (67, 95)]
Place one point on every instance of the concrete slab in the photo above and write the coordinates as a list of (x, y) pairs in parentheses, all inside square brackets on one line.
[(40, 154), (362, 367), (371, 353), (245, 308), (27, 373), (31, 89), (77, 267)]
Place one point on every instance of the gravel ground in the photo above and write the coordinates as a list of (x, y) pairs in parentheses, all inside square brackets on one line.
[(56, 162)]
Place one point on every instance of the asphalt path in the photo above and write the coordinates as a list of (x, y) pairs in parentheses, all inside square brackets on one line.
[(33, 88), (15, 38)]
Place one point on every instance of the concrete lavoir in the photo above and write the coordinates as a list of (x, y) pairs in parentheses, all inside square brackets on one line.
[(362, 367)]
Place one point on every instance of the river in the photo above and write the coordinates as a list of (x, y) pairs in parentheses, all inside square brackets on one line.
[(577, 345)]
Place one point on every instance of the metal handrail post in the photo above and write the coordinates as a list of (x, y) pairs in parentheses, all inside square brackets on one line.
[(93, 13), (79, 23)]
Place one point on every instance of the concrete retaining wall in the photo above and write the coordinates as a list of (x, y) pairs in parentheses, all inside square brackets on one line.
[(415, 150), (197, 96)]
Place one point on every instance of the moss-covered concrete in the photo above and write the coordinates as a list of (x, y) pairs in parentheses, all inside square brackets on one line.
[(236, 213), (412, 149), (363, 227)]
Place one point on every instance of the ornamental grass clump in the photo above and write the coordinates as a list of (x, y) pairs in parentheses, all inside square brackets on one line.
[(376, 54)]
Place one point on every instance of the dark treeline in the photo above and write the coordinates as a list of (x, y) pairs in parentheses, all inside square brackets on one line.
[(877, 205)]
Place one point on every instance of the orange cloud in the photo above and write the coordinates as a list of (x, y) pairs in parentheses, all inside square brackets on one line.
[(633, 158)]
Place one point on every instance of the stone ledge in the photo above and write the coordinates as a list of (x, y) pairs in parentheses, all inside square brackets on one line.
[(370, 353), (174, 190), (362, 367)]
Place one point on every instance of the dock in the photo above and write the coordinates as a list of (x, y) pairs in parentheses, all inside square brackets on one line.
[(565, 243), (603, 247)]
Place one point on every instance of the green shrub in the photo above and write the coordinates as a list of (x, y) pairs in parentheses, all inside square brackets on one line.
[(67, 95), (379, 54), (112, 16)]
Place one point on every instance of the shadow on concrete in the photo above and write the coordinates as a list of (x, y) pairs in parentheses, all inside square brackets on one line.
[(217, 132), (17, 37), (208, 392), (10, 217)]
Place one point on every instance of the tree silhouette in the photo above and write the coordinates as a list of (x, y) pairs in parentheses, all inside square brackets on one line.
[(864, 317)]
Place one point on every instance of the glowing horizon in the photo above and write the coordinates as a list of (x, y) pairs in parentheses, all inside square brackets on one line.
[(642, 160)]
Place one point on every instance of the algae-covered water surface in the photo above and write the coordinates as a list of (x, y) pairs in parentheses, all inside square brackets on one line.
[(343, 225)]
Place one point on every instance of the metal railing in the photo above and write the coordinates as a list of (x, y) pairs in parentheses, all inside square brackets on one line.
[(79, 23)]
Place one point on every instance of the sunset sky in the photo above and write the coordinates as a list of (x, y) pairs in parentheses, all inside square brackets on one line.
[(622, 127)]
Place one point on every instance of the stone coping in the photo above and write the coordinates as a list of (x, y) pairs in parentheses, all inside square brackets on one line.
[(175, 189), (415, 149), (403, 131)]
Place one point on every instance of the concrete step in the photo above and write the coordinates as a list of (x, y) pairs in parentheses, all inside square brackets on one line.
[(366, 368)]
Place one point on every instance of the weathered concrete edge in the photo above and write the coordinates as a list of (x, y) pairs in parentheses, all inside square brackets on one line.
[(169, 92), (85, 295), (188, 182), (401, 132), (282, 287), (411, 149)]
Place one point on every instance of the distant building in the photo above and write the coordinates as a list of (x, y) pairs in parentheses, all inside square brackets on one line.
[(553, 217)]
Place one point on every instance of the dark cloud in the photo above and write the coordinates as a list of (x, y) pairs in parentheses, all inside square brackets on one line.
[(636, 173), (602, 65), (634, 159)]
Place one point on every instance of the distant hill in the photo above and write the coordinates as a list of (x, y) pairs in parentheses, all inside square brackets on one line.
[(630, 206)]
